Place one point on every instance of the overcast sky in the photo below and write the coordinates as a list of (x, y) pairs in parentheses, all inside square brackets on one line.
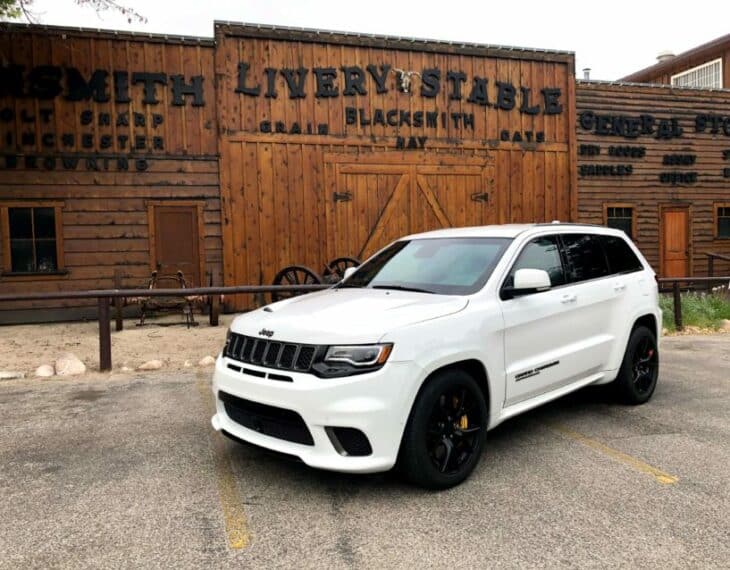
[(614, 37)]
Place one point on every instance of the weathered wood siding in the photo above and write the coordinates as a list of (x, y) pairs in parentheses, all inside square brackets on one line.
[(643, 188), (278, 188), (104, 204)]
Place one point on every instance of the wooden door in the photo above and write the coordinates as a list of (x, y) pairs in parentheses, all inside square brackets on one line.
[(175, 240), (675, 242), (376, 204)]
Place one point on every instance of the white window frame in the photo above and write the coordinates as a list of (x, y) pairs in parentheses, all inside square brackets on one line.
[(697, 68)]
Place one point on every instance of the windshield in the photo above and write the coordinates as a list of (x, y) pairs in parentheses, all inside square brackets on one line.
[(447, 266)]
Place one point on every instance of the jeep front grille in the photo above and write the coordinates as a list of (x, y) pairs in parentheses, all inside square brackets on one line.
[(271, 353)]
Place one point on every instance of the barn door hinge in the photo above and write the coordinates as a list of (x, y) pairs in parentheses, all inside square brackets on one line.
[(480, 197), (342, 196)]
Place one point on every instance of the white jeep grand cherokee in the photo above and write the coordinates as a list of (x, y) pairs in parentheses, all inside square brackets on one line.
[(436, 339)]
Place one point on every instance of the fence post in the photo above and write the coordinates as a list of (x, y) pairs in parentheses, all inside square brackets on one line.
[(105, 335), (118, 301), (710, 270), (215, 309), (677, 307)]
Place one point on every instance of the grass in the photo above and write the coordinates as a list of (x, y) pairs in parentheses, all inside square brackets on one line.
[(701, 310)]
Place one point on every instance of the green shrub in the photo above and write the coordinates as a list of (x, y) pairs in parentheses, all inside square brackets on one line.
[(704, 310)]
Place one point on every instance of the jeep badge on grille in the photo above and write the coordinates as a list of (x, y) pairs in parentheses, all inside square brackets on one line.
[(266, 333)]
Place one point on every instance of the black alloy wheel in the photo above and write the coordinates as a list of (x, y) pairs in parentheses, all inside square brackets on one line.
[(446, 431), (639, 372), (453, 430), (645, 366)]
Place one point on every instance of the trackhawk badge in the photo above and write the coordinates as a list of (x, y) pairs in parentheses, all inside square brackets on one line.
[(266, 333)]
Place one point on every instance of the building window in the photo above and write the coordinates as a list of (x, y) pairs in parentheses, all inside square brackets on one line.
[(31, 238), (722, 216), (620, 217), (706, 76)]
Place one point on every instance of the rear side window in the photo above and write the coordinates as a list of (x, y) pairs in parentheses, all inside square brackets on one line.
[(584, 257), (621, 258), (541, 253)]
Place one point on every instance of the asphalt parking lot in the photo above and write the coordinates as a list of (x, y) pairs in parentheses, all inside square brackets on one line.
[(126, 472)]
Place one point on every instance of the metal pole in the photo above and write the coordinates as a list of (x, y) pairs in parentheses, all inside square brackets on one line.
[(677, 307), (105, 335), (118, 302)]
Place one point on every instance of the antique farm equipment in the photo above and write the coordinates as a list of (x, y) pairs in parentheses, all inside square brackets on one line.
[(303, 275)]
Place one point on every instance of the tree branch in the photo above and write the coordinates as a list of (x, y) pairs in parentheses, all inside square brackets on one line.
[(30, 16)]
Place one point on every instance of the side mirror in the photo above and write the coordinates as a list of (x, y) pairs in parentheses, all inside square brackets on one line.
[(530, 281), (349, 271)]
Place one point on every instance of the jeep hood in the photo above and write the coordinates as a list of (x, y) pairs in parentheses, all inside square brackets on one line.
[(345, 316)]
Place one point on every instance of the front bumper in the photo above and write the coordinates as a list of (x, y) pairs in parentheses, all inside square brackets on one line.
[(377, 404)]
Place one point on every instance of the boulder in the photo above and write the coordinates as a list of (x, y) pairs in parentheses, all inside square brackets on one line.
[(187, 364), (125, 369), (206, 361), (68, 364), (725, 325), (10, 375), (44, 371), (151, 365)]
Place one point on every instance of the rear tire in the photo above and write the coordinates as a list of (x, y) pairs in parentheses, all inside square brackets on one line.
[(446, 431), (637, 377)]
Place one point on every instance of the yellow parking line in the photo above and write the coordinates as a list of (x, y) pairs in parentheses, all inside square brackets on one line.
[(658, 474), (233, 513)]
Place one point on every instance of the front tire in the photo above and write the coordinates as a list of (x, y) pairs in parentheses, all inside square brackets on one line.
[(637, 377), (446, 431)]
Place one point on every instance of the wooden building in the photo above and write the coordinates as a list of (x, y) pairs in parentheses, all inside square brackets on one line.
[(335, 144), (706, 66), (230, 158), (655, 161), (108, 161)]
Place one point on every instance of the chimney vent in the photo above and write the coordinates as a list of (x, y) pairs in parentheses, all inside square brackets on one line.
[(586, 73), (664, 56)]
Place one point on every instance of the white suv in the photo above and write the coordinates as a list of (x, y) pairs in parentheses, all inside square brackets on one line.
[(436, 339)]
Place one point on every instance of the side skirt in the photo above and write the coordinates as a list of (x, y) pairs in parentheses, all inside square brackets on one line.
[(520, 407)]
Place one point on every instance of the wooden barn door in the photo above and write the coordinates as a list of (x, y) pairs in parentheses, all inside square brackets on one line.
[(675, 242), (373, 205)]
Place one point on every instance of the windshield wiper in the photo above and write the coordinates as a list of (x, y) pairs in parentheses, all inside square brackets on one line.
[(402, 288)]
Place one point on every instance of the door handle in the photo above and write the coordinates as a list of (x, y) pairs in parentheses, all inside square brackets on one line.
[(568, 299), (619, 287)]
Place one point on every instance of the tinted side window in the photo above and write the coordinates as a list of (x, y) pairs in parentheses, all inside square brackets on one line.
[(621, 258), (584, 257), (541, 253)]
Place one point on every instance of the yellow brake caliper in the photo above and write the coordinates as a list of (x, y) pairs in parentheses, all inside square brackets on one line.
[(463, 420)]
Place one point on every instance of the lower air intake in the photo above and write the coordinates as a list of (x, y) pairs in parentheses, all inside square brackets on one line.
[(268, 420)]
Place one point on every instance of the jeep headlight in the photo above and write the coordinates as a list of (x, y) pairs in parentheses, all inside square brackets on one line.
[(348, 360), (359, 355)]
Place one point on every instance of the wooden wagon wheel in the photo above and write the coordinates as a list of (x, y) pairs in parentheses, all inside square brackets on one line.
[(335, 269), (293, 275)]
